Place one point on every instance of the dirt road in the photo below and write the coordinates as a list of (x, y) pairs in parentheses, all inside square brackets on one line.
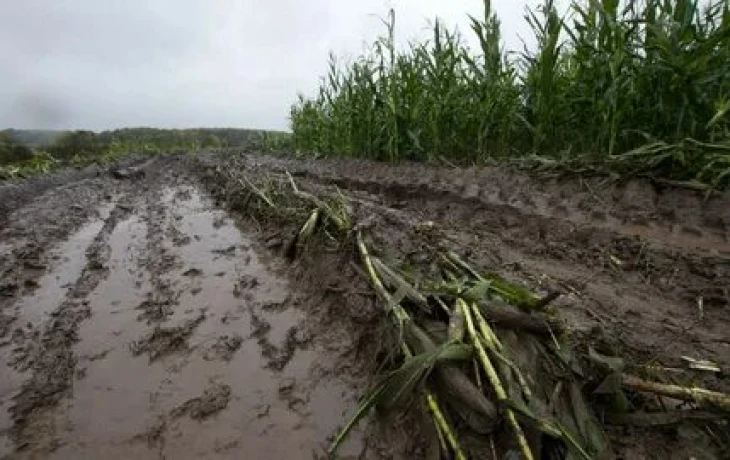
[(138, 318), (140, 322)]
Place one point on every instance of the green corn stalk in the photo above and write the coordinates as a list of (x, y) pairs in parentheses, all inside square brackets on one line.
[(605, 78)]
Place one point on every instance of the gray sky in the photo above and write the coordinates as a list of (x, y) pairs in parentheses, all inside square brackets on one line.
[(101, 64)]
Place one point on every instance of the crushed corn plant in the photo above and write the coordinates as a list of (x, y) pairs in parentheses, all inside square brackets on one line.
[(486, 358)]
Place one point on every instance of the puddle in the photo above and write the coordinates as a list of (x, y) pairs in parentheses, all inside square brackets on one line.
[(107, 382), (70, 259), (9, 386), (211, 391), (31, 312)]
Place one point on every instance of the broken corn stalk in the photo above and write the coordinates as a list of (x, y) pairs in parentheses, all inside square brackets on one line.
[(494, 381), (402, 316)]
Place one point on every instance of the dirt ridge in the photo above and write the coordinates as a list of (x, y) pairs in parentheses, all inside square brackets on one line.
[(677, 308), (617, 206), (678, 268)]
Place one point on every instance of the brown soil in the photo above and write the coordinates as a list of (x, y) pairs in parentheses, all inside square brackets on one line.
[(140, 319), (650, 264)]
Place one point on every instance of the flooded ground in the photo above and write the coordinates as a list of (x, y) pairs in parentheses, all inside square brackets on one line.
[(157, 330), (153, 317)]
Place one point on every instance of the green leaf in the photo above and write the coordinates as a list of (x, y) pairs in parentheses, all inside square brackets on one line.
[(367, 403), (477, 292), (401, 384), (590, 429), (610, 362)]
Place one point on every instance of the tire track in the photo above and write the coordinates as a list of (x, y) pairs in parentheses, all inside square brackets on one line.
[(693, 267), (53, 364)]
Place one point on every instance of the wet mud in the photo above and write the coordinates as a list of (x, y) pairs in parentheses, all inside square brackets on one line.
[(641, 268), (156, 328), (650, 264), (153, 315)]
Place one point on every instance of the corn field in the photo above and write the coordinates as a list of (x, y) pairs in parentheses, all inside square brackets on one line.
[(632, 87)]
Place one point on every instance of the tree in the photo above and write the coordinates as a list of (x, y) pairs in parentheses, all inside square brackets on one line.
[(81, 143), (12, 152)]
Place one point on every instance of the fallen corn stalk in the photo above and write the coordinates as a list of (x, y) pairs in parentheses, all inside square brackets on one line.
[(340, 219), (402, 317), (258, 192), (495, 381), (700, 396), (448, 387)]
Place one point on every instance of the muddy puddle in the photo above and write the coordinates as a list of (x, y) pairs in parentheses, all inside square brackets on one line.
[(31, 312), (194, 348), (70, 259)]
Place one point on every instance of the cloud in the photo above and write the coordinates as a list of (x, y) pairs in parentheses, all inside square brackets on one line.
[(106, 64)]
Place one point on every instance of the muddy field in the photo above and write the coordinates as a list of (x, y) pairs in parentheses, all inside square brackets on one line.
[(153, 314)]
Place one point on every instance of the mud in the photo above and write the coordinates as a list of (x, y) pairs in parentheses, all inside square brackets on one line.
[(649, 263), (213, 400), (642, 268), (152, 315), (152, 326)]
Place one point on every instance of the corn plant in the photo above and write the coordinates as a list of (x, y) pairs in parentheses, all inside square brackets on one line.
[(638, 87)]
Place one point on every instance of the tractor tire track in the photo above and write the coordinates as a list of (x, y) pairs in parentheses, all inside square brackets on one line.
[(53, 364)]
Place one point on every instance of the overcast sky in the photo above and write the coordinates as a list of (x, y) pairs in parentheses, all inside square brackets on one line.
[(100, 64)]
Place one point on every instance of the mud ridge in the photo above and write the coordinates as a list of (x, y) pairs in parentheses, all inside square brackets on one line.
[(653, 316), (159, 260), (26, 242), (162, 341), (19, 193), (607, 203), (214, 399), (644, 292), (692, 266)]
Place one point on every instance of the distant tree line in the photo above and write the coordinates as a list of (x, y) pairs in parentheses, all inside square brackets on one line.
[(33, 138), (20, 145), (153, 140), (25, 152), (12, 151)]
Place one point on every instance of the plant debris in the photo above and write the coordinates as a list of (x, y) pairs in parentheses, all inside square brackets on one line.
[(484, 355)]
